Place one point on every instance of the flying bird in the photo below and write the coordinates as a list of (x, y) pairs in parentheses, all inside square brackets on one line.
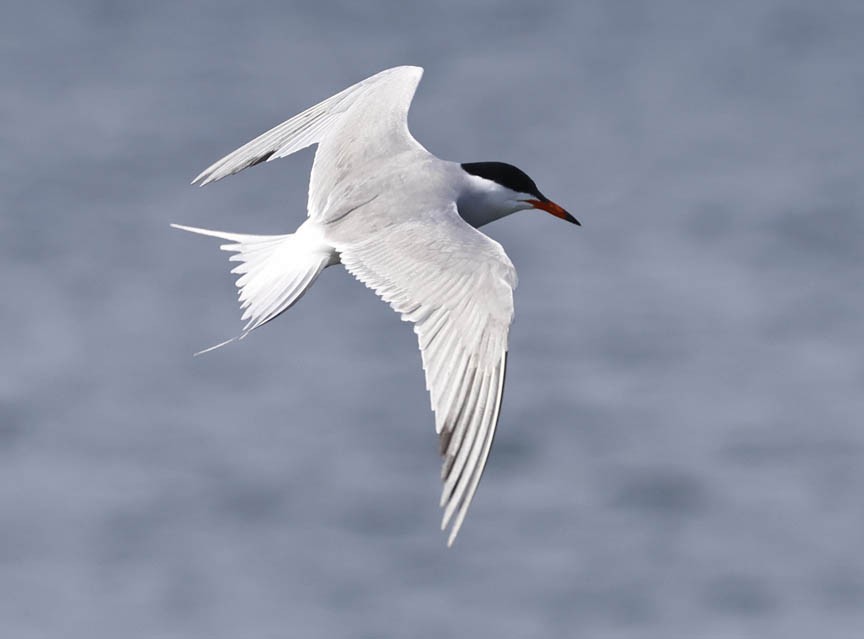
[(404, 223)]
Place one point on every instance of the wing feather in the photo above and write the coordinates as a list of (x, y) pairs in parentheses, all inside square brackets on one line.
[(451, 281), (312, 126), (456, 285)]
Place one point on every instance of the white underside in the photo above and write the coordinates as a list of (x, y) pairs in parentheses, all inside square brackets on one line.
[(387, 208)]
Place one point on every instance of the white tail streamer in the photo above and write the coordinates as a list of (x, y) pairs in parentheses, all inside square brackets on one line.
[(274, 271)]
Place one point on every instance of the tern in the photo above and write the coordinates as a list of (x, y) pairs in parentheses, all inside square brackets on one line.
[(404, 223)]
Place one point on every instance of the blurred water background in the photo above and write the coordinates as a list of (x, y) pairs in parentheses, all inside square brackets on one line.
[(681, 452)]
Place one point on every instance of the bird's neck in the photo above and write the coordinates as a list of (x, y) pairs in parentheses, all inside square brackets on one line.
[(481, 201)]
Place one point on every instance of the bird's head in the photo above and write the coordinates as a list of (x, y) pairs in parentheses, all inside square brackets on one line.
[(506, 189)]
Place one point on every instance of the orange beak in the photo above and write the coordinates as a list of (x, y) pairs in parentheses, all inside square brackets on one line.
[(550, 207)]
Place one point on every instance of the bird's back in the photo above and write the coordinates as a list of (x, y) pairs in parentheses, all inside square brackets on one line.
[(366, 145)]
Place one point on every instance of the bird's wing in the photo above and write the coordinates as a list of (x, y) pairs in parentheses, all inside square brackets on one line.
[(456, 286), (382, 101)]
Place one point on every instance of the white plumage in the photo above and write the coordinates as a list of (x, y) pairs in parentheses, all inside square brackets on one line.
[(394, 215)]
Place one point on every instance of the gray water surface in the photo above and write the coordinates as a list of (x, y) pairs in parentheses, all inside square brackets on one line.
[(681, 451)]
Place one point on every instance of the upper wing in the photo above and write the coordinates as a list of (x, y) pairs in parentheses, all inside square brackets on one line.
[(456, 285), (383, 99)]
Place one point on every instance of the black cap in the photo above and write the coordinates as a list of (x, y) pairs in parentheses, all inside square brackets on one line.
[(506, 175)]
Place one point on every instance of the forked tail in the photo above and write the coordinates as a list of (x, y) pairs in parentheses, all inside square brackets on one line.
[(275, 271)]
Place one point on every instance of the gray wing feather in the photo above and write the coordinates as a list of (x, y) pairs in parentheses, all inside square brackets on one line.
[(394, 87), (456, 286)]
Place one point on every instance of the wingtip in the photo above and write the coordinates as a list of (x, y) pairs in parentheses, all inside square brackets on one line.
[(449, 510), (205, 177), (455, 525), (181, 227), (451, 537)]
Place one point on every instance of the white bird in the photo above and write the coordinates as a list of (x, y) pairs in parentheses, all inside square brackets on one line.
[(403, 222)]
